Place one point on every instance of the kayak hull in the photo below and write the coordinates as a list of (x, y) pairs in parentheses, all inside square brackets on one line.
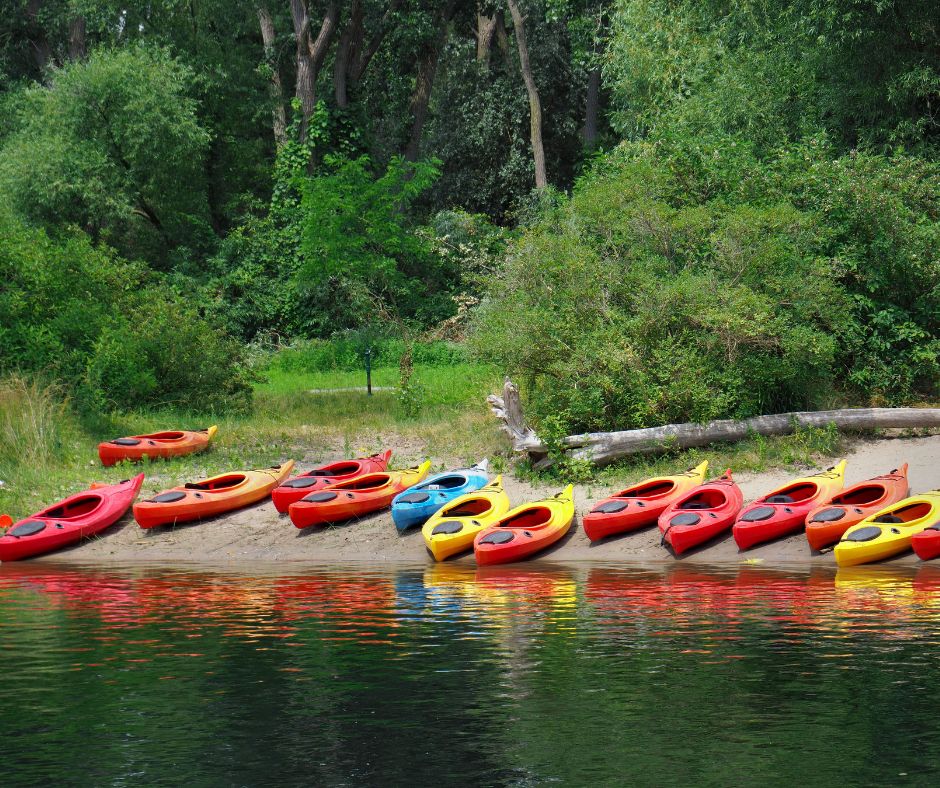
[(74, 518), (783, 511), (454, 527), (890, 532), (926, 544), (702, 514), (826, 524), (355, 497), (525, 530), (641, 505), (419, 502), (298, 487), (209, 497), (156, 445)]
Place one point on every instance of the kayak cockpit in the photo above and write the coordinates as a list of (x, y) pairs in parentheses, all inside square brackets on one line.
[(795, 493), (218, 484), (444, 483), (530, 519), (164, 436), (475, 507), (337, 469), (860, 496), (74, 509), (704, 499), (650, 490), (365, 483)]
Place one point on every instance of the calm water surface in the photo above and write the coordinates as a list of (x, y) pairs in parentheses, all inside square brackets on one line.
[(433, 675)]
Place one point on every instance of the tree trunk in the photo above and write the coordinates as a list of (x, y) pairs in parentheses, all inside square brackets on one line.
[(535, 105), (362, 57), (350, 41), (37, 36), (427, 68), (592, 107), (77, 38), (486, 32), (278, 114), (310, 55)]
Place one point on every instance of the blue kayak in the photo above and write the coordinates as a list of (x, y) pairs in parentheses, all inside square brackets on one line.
[(416, 504)]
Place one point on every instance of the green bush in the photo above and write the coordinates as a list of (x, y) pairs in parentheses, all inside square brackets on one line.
[(163, 354), (107, 330), (668, 291)]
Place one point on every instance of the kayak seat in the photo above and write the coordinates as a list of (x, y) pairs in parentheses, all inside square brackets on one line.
[(301, 482), (28, 528), (125, 441), (168, 497), (779, 499), (864, 534), (321, 497), (414, 498), (887, 518), (694, 505), (829, 515), (448, 527), (758, 514), (609, 507), (498, 537)]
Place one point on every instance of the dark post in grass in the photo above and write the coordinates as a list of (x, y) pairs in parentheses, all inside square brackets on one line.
[(368, 357)]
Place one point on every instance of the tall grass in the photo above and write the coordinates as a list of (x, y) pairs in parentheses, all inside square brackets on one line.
[(32, 418)]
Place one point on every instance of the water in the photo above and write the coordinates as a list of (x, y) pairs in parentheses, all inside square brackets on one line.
[(435, 675)]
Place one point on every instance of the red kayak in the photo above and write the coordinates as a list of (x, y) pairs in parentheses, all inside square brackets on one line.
[(826, 524), (926, 544), (701, 514), (300, 486), (783, 511), (640, 505), (69, 521)]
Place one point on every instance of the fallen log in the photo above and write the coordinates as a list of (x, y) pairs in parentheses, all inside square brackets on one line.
[(605, 447), (602, 448)]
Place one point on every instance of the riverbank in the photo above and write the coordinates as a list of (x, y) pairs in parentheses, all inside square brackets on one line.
[(260, 534)]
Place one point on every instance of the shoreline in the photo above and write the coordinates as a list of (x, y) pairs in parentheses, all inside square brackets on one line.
[(259, 535)]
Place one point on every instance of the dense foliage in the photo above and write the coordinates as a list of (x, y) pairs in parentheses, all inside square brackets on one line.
[(736, 211), (112, 333)]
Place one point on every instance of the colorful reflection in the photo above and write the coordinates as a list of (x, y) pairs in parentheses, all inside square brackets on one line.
[(502, 675)]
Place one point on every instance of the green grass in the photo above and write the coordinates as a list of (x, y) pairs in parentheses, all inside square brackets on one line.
[(47, 451)]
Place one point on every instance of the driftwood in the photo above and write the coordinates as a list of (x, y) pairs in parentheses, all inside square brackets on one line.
[(605, 447), (508, 409)]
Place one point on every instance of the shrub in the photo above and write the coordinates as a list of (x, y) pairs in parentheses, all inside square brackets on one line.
[(106, 329), (640, 301), (163, 354)]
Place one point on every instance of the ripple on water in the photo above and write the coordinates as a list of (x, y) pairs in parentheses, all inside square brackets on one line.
[(498, 675)]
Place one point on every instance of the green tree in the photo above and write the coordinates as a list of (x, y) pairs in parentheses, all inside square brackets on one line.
[(113, 144)]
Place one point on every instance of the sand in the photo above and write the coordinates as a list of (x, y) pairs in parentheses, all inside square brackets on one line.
[(260, 534)]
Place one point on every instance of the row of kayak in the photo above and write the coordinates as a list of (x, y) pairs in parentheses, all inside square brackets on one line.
[(462, 509), (869, 521)]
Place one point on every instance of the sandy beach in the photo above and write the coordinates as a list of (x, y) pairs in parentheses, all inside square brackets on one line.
[(260, 534)]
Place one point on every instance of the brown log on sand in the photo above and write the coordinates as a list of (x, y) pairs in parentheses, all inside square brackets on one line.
[(602, 448)]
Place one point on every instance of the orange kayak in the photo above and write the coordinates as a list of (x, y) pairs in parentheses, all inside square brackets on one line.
[(355, 497), (156, 445), (222, 493), (826, 524)]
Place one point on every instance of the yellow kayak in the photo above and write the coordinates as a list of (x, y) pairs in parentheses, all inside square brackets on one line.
[(888, 532), (452, 529)]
